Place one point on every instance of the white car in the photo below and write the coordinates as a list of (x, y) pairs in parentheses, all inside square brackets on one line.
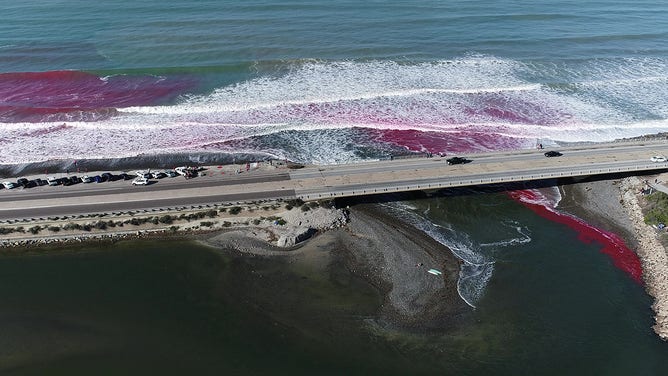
[(86, 179), (658, 158), (140, 181), (9, 184)]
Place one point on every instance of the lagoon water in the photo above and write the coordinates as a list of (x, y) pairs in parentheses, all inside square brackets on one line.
[(327, 82), (552, 305)]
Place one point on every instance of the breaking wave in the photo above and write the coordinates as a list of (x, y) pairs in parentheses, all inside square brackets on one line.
[(474, 103)]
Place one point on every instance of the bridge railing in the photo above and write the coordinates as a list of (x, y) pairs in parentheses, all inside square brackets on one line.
[(430, 184)]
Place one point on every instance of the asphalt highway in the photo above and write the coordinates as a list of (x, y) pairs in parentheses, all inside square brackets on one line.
[(318, 182)]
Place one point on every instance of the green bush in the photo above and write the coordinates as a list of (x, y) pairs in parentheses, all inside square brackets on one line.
[(206, 224), (167, 219), (235, 210), (657, 208), (54, 228), (35, 229)]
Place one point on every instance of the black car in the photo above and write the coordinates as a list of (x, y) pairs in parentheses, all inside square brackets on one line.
[(22, 182), (456, 160), (553, 153), (107, 176)]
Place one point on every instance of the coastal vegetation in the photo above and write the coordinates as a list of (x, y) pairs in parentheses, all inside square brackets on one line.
[(656, 211)]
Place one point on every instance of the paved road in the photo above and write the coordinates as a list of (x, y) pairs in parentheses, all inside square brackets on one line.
[(484, 168), (335, 181)]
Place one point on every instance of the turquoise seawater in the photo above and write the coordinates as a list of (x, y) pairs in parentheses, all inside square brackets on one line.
[(327, 82)]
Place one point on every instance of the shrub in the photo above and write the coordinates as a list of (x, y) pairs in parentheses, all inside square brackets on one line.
[(72, 226), (235, 210), (256, 221), (305, 208), (211, 213), (227, 224), (101, 225), (657, 211), (54, 228), (166, 219), (35, 229), (295, 202), (206, 224)]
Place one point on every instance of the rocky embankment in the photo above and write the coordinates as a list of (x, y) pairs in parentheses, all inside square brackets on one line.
[(651, 252)]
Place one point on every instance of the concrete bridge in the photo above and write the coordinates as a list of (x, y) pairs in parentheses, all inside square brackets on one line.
[(484, 168)]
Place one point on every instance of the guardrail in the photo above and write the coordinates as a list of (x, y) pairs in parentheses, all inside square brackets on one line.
[(310, 195)]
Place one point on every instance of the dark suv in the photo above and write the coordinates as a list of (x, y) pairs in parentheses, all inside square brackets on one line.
[(553, 153), (456, 160)]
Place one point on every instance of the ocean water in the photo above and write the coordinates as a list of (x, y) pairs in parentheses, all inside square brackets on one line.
[(314, 81), (331, 82)]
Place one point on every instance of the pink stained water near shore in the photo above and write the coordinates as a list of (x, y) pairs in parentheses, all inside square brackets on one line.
[(613, 245), (80, 96), (451, 142)]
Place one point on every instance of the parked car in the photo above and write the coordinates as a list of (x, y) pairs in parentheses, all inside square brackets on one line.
[(86, 179), (107, 176), (553, 153), (125, 176), (158, 175), (53, 181), (140, 181), (658, 158), (97, 179), (41, 182), (171, 173), (22, 182), (456, 160), (9, 184)]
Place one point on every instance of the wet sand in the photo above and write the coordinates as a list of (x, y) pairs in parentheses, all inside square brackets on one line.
[(390, 255)]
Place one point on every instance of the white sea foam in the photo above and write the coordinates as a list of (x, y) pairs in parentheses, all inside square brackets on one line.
[(600, 101), (476, 268)]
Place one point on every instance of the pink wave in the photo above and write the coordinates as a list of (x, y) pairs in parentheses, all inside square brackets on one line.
[(79, 96), (451, 142), (613, 245)]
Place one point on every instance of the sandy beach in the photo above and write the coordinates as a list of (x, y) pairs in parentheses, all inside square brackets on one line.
[(390, 255)]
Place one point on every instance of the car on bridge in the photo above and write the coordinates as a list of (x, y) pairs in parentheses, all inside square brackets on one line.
[(457, 160), (553, 153), (658, 158)]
